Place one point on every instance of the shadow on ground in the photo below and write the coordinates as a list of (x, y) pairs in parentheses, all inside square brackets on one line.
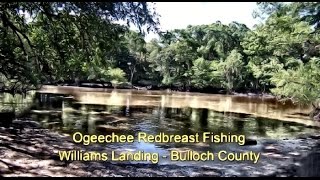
[(26, 149), (33, 151)]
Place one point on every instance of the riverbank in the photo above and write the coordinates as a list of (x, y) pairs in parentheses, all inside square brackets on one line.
[(75, 89), (29, 150), (144, 87), (266, 107)]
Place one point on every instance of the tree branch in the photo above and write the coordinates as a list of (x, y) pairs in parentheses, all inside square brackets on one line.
[(14, 28), (21, 43)]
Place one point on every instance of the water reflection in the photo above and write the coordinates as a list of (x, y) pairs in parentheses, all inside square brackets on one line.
[(128, 112), (124, 113), (17, 103), (260, 107)]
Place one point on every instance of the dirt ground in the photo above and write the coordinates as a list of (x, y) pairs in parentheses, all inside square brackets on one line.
[(32, 151)]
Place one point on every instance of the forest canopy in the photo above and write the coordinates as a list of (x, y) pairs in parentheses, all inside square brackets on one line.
[(45, 42), (48, 41)]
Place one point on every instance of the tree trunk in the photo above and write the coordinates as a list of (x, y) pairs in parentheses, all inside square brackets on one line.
[(132, 73), (315, 113)]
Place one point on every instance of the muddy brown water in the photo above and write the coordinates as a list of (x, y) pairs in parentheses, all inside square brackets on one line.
[(101, 111)]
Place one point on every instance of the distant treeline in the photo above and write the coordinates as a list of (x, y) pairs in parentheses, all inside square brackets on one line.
[(72, 43)]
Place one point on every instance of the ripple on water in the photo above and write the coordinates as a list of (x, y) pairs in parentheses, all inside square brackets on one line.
[(273, 136)]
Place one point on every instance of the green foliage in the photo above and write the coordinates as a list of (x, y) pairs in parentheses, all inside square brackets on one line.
[(67, 40), (301, 85), (80, 40), (201, 73), (232, 70), (185, 55), (277, 44), (116, 75)]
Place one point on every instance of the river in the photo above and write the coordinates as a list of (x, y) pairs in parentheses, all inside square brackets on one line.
[(102, 111)]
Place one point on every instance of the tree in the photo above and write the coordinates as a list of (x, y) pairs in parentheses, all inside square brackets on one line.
[(300, 85), (180, 54), (201, 73), (232, 71), (280, 42), (137, 48), (306, 11), (294, 50), (61, 38)]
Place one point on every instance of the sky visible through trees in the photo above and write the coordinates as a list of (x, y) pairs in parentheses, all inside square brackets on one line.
[(69, 41)]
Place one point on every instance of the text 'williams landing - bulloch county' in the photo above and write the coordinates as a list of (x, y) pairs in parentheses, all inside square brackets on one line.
[(173, 155)]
